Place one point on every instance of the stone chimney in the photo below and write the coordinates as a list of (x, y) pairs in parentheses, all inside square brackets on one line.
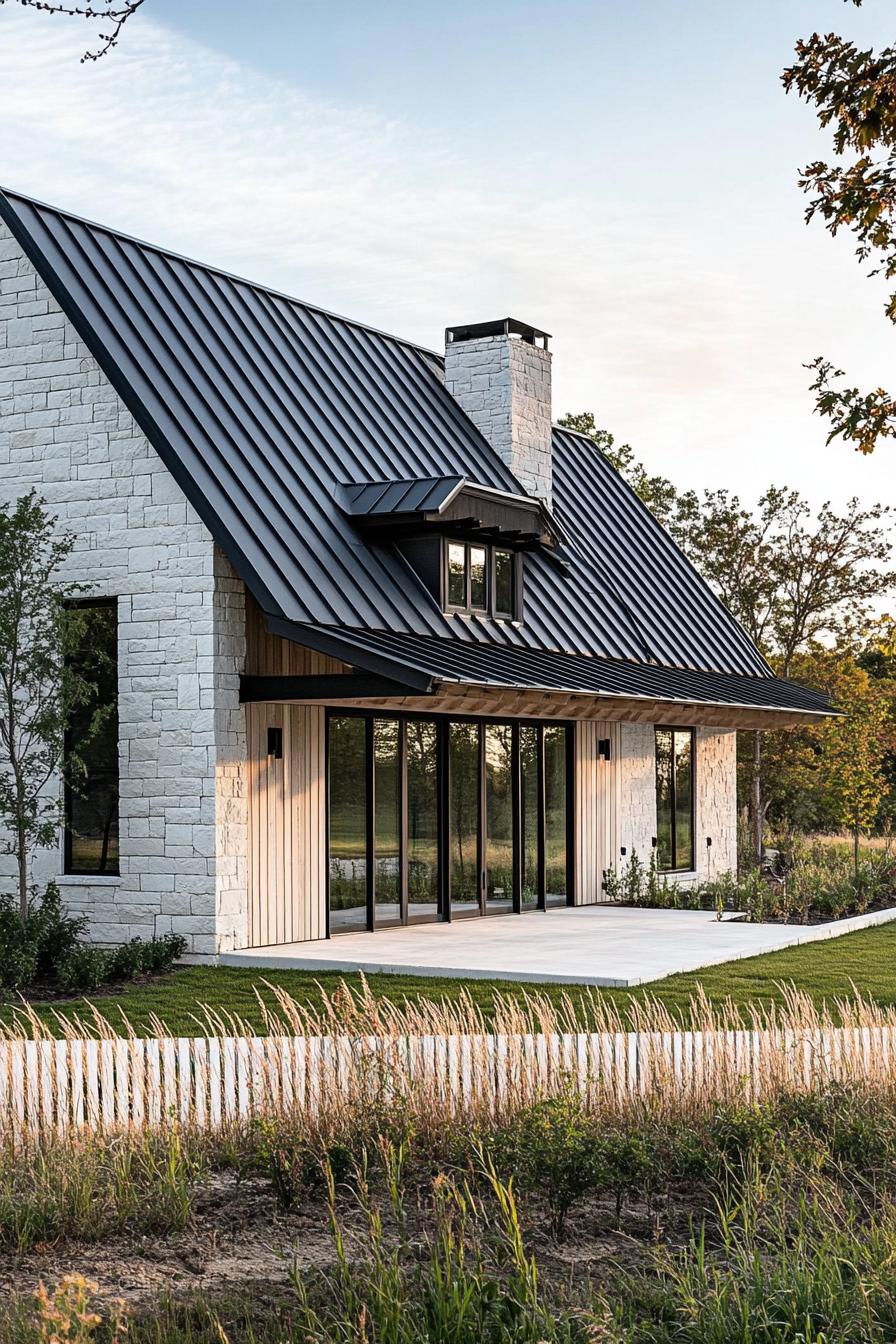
[(500, 373)]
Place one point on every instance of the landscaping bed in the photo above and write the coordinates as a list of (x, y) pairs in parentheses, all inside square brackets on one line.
[(550, 1223), (800, 883), (44, 954)]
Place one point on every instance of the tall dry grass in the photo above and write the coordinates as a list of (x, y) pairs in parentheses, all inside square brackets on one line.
[(355, 1056)]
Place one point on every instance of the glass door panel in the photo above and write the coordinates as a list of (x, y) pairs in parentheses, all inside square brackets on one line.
[(555, 805), (463, 818), (423, 821), (498, 817), (348, 824), (387, 822), (529, 816)]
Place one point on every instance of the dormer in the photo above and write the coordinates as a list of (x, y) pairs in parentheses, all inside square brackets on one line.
[(462, 539)]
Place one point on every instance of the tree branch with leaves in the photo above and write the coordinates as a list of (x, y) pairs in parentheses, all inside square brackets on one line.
[(114, 12), (854, 92)]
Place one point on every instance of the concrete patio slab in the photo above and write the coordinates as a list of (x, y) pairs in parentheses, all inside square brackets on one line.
[(588, 945)]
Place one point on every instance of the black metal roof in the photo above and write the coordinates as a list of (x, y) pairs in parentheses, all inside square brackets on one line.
[(425, 494), (421, 662), (261, 406)]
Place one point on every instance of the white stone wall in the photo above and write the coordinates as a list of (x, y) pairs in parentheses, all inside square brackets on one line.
[(504, 385), (715, 804), (64, 430)]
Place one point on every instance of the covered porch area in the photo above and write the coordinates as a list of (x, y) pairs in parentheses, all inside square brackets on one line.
[(599, 945)]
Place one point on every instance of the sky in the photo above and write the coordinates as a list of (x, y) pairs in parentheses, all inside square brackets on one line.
[(623, 176)]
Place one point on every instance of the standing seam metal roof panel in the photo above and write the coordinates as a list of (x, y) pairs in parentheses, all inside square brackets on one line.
[(261, 405)]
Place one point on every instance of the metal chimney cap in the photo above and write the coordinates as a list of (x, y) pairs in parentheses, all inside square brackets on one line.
[(502, 326)]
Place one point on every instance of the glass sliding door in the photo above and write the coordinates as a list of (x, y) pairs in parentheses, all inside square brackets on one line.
[(499, 838), (555, 816), (463, 840), (387, 808), (348, 824), (446, 819), (422, 820)]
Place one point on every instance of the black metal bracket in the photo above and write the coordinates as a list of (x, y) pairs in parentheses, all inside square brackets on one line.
[(339, 686)]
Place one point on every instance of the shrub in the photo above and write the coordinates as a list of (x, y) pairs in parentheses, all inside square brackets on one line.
[(58, 931), (87, 967), (551, 1148), (18, 947), (33, 948)]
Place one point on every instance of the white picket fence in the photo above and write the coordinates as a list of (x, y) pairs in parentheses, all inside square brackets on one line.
[(55, 1086)]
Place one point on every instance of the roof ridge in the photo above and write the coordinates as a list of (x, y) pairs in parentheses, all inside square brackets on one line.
[(220, 270)]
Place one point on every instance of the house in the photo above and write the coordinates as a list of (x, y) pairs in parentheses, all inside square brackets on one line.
[(390, 646)]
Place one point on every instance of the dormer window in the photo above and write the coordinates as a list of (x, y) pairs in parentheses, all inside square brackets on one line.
[(480, 579)]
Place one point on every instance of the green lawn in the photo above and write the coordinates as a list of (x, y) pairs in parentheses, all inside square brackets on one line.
[(823, 969)]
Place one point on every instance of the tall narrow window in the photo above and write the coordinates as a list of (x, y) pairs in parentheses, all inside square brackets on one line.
[(91, 748), (675, 799), (387, 821), (498, 816), (348, 823), (457, 574), (477, 578), (504, 580), (555, 819), (529, 816), (423, 820), (463, 817)]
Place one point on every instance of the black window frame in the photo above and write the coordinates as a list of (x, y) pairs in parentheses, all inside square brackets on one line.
[(673, 839), (68, 866), (491, 552), (442, 722)]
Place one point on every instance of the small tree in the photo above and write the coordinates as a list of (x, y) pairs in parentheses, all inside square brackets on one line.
[(42, 681), (855, 751)]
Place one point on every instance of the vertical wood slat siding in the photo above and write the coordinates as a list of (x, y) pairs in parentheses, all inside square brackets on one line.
[(287, 825), (287, 798), (597, 808)]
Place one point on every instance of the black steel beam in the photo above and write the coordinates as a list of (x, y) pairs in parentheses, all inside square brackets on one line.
[(335, 686)]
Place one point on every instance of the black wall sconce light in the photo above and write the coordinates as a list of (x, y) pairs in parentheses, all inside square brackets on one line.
[(653, 842), (603, 748), (623, 851), (709, 842), (275, 743)]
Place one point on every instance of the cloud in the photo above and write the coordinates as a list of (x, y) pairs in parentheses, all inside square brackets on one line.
[(670, 344)]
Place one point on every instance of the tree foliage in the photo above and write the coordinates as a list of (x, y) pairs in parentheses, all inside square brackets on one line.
[(790, 575), (854, 93), (804, 584), (46, 677)]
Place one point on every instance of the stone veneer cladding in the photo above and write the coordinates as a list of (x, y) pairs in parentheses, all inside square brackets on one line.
[(504, 385), (715, 803), (64, 431)]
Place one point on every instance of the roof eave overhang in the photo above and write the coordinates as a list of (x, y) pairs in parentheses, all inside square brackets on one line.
[(405, 679)]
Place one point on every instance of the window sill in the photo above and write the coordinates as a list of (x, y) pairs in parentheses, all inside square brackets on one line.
[(679, 874), (88, 879)]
